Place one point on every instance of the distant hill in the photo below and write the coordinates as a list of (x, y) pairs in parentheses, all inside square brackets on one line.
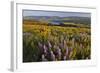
[(60, 20)]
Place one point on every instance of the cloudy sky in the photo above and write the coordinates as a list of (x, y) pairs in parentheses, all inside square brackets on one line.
[(54, 13)]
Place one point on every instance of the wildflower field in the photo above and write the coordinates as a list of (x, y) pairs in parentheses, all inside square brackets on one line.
[(45, 42)]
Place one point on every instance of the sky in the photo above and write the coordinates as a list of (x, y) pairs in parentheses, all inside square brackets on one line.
[(54, 13)]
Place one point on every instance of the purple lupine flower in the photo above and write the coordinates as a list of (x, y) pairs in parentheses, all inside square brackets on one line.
[(40, 45), (58, 50), (54, 46), (73, 42), (64, 58), (81, 46), (49, 44), (45, 48), (64, 42), (61, 39), (52, 56), (67, 51), (61, 45), (43, 58), (59, 53)]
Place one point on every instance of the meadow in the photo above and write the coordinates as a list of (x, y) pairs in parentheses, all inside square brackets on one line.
[(45, 42)]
